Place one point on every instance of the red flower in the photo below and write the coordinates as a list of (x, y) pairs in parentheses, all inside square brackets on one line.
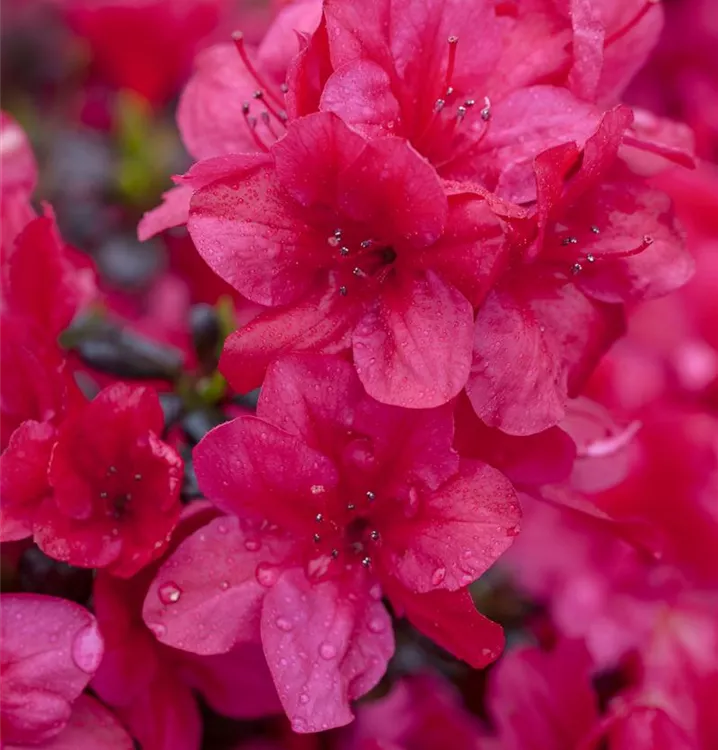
[(340, 499), (49, 650), (150, 685), (543, 699), (146, 47), (441, 75), (44, 282), (234, 103), (113, 497), (37, 392), (421, 712), (604, 236), (356, 245), (19, 177)]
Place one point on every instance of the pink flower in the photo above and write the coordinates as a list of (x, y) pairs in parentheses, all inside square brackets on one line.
[(113, 486), (422, 712), (144, 46), (19, 171), (441, 74), (89, 725), (604, 237), (354, 244), (44, 282), (49, 650), (543, 699), (150, 685), (339, 499), (37, 392), (234, 102)]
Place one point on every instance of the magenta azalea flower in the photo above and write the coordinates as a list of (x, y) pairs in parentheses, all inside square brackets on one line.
[(354, 244), (336, 501)]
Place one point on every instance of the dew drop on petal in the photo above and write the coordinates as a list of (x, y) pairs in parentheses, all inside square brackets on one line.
[(284, 624), (224, 585), (376, 625), (252, 545), (303, 698), (266, 574), (169, 593), (299, 725), (158, 629), (375, 592), (327, 651), (87, 648), (438, 576)]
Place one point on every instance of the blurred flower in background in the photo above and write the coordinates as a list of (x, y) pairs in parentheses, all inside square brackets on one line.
[(125, 356)]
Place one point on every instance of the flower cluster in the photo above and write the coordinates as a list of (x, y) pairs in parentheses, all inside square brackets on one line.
[(386, 350)]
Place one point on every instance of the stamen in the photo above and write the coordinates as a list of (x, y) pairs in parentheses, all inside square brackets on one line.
[(453, 42), (251, 123), (486, 111), (439, 104), (620, 33), (238, 39), (461, 113)]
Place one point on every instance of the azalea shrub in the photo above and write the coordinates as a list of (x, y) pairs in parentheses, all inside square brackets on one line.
[(359, 375)]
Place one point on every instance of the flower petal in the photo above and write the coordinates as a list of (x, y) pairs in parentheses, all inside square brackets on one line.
[(206, 596), (321, 323), (458, 534), (324, 649), (413, 348)]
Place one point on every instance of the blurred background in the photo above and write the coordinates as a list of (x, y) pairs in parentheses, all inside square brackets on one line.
[(95, 85)]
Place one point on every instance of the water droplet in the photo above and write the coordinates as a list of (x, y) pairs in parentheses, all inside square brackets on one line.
[(87, 649), (284, 624), (370, 496), (158, 629), (438, 576), (303, 698), (374, 535), (138, 477), (327, 651), (595, 229), (222, 528), (252, 545), (317, 538), (300, 725), (169, 593), (224, 585), (319, 518), (266, 574), (375, 592), (366, 562), (591, 258), (376, 625), (112, 470)]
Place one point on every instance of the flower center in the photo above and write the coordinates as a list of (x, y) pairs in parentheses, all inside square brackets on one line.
[(449, 133), (575, 248), (358, 262), (347, 536), (114, 494), (268, 110)]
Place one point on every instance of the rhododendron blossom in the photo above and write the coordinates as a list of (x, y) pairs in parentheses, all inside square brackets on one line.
[(356, 245), (384, 427), (112, 484), (333, 511)]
